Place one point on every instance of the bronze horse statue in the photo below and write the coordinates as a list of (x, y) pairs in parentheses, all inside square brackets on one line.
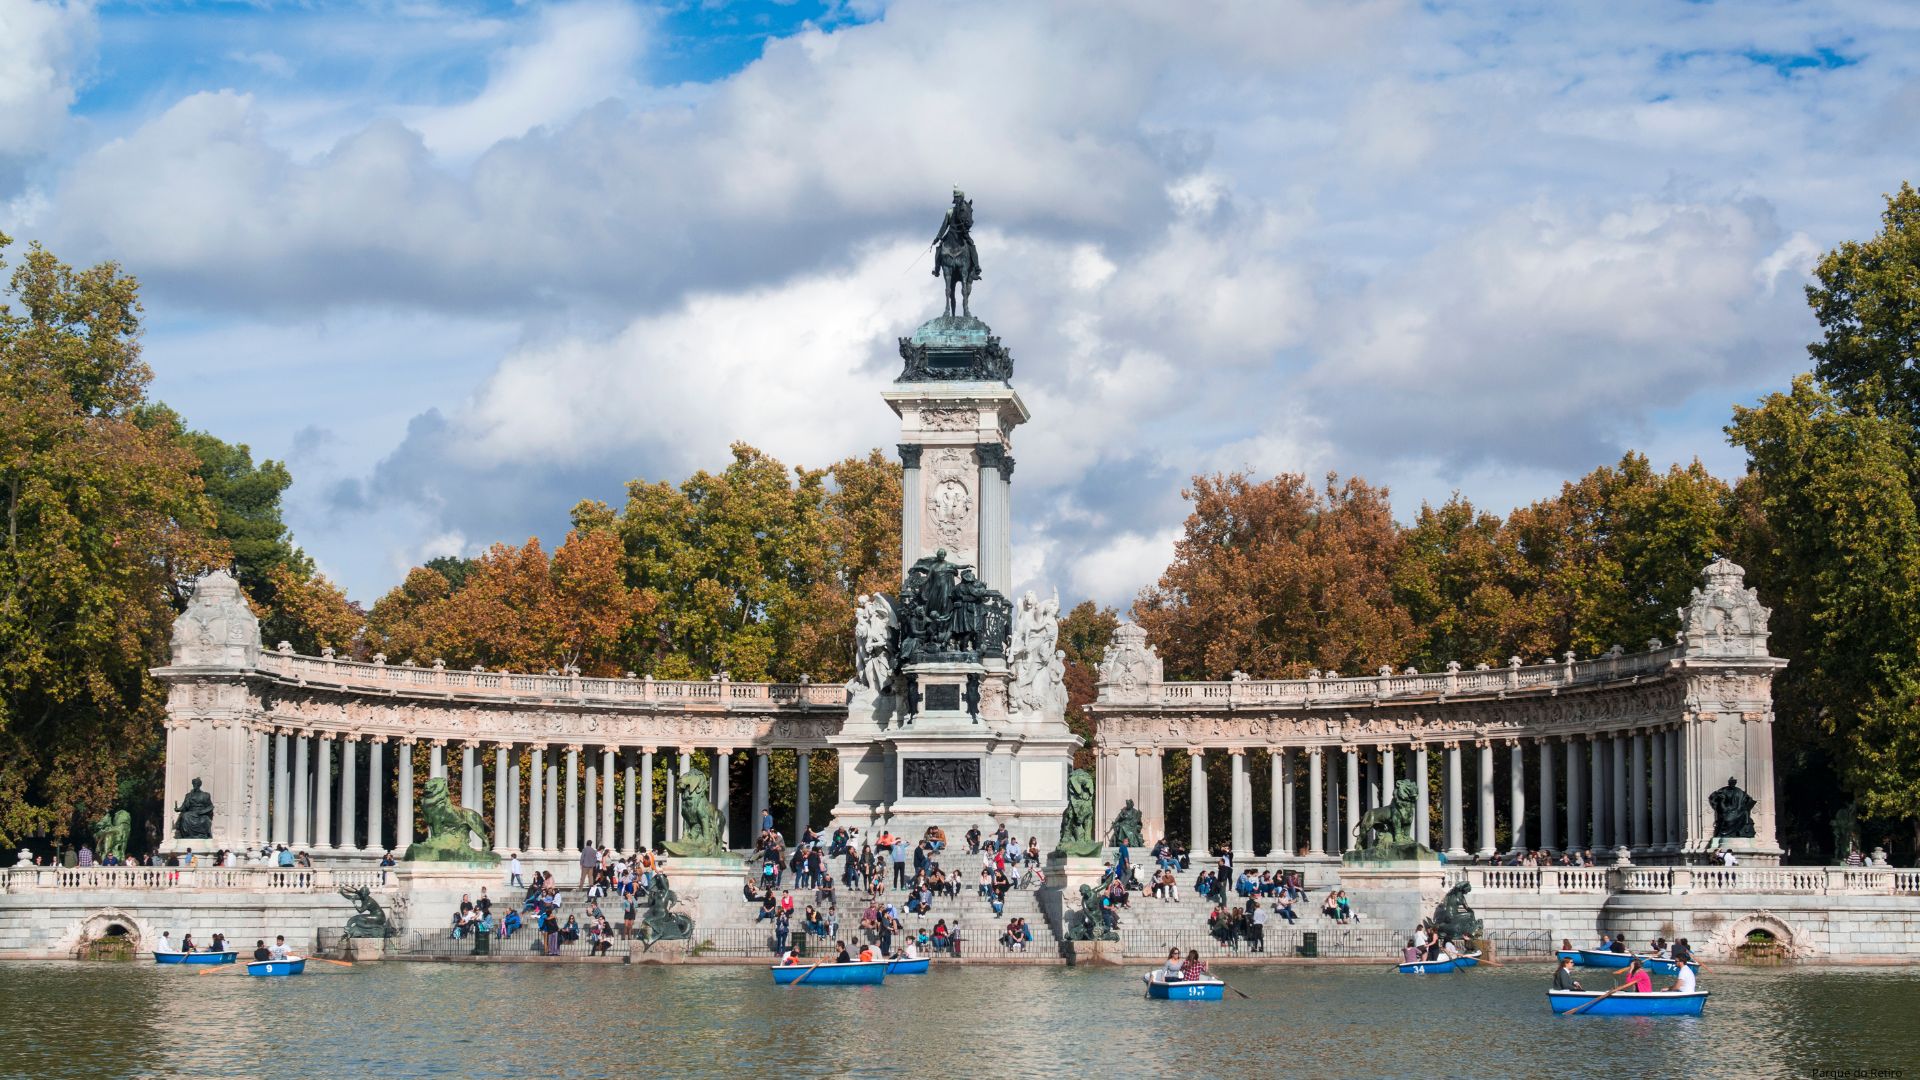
[(956, 260)]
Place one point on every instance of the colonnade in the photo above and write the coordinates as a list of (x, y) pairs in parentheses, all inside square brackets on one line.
[(549, 800), (1598, 791)]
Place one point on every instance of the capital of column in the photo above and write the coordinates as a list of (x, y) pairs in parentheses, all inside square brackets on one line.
[(380, 739), (441, 743), (574, 748), (1236, 751), (649, 749)]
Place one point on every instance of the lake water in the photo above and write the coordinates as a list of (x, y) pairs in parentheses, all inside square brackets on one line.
[(530, 1020)]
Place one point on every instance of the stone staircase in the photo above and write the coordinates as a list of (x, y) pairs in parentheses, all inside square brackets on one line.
[(1149, 927)]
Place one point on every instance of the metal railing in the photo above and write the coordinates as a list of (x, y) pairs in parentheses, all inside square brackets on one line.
[(1337, 942)]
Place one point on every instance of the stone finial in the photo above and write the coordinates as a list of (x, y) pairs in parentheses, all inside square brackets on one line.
[(1239, 676), (380, 659), (1130, 668), (1654, 644), (1616, 652), (478, 668), (1453, 667), (1482, 666), (1411, 670), (218, 629), (1385, 672), (326, 652), (1513, 661), (1568, 655), (1724, 618), (285, 648), (439, 664)]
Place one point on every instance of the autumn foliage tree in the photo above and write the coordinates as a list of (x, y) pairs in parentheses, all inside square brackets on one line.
[(1278, 576)]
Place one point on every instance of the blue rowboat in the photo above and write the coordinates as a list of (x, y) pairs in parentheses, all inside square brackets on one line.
[(1659, 1003), (1185, 989), (194, 957), (871, 973), (905, 967), (1595, 958), (292, 965), (1431, 967), (1567, 954), (1467, 960)]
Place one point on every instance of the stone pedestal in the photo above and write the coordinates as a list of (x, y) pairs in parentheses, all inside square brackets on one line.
[(1397, 894), (1749, 850)]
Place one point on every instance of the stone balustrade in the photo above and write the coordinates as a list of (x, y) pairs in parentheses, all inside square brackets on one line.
[(1456, 682), (257, 879), (335, 674), (1675, 880)]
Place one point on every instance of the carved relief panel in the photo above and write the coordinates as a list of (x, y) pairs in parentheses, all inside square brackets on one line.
[(950, 516)]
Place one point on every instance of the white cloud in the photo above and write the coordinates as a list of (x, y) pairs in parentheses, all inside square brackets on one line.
[(42, 46)]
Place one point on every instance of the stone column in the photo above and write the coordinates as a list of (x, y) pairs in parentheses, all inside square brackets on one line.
[(1576, 811), (1335, 842), (550, 814), (1619, 833), (322, 792), (376, 795), (282, 793), (1422, 826), (572, 818), (673, 794), (1456, 848), (1637, 790), (1354, 795), (514, 835), (1659, 748), (436, 759), (1371, 768), (1596, 795), (1387, 777), (1277, 804), (403, 813), (628, 833), (723, 795), (1517, 793), (646, 798), (606, 797), (349, 795), (1676, 835), (1316, 830), (909, 522), (302, 802), (589, 823), (1242, 843), (1197, 803), (263, 788), (471, 783), (1547, 839), (760, 793), (1485, 777), (802, 795), (503, 841), (1153, 793), (536, 798)]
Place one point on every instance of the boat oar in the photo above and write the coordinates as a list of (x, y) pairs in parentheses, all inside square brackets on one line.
[(220, 969), (1233, 988), (1584, 1006), (804, 974)]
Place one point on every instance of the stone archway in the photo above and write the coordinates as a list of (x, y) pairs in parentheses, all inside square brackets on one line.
[(106, 932), (1781, 939)]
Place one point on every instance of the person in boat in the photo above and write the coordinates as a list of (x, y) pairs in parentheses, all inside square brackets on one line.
[(1448, 949), (187, 945), (1566, 944), (789, 958), (279, 949), (1637, 980), (1618, 944), (219, 943), (166, 943), (1682, 952), (260, 951), (843, 956), (1170, 971), (1194, 968), (1684, 980), (1563, 975), (1412, 953)]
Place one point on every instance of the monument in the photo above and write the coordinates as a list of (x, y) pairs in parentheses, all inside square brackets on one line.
[(957, 709)]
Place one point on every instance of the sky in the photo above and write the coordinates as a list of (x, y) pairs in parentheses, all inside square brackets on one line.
[(462, 266)]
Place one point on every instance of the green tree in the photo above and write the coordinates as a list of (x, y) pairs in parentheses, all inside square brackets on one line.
[(453, 568), (1084, 632), (98, 540), (1459, 579), (1867, 300), (1832, 537)]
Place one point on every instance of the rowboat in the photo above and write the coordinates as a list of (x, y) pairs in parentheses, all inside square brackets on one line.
[(1658, 1003), (1595, 958), (1202, 989), (1442, 965), (906, 967), (292, 965), (1567, 954), (160, 957), (870, 973)]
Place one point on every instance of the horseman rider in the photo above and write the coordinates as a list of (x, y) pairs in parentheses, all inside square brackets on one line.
[(956, 231)]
